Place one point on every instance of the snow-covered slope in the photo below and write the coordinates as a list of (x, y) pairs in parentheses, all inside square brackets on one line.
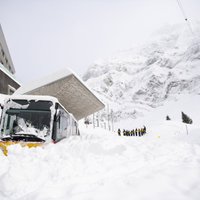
[(164, 164), (102, 165), (137, 80)]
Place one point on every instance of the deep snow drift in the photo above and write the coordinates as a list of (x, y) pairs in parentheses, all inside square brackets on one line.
[(100, 165), (163, 164)]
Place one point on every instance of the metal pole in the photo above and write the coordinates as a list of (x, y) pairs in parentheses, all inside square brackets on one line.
[(97, 119), (93, 121), (108, 117), (112, 120), (186, 129)]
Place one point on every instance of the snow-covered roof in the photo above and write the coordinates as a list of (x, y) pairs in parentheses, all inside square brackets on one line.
[(2, 98), (33, 97), (69, 89)]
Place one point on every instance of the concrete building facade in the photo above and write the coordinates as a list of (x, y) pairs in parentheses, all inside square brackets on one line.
[(8, 83)]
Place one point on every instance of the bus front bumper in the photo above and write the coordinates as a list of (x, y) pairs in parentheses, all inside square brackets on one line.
[(4, 145)]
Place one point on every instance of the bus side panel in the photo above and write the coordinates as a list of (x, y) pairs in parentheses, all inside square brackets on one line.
[(64, 125)]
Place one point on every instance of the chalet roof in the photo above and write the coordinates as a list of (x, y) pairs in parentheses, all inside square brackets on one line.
[(68, 88)]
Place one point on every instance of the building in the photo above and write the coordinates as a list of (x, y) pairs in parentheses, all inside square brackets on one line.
[(69, 89), (8, 83)]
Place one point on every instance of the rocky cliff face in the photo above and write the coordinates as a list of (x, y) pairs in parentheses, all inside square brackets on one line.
[(140, 79)]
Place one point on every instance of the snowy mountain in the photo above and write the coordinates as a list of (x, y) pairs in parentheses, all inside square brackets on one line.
[(163, 164), (137, 80)]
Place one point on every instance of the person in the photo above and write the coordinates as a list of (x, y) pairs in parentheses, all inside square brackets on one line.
[(124, 132), (144, 129), (131, 132), (127, 133), (119, 132), (136, 132)]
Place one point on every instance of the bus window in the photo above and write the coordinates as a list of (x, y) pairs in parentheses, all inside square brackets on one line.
[(64, 126)]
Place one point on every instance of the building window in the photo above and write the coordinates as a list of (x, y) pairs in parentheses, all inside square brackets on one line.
[(2, 52), (11, 90)]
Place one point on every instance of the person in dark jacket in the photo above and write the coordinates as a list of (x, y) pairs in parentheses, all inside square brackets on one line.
[(144, 129), (131, 132), (124, 132), (139, 132), (119, 132)]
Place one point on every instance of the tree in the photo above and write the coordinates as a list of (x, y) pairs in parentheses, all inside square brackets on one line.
[(168, 118), (186, 119)]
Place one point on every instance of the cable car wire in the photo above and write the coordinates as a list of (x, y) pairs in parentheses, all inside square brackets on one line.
[(185, 16)]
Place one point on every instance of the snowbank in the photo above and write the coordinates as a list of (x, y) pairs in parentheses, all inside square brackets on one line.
[(101, 165)]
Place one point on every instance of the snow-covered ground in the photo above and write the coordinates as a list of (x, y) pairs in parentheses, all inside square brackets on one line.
[(164, 164), (161, 80)]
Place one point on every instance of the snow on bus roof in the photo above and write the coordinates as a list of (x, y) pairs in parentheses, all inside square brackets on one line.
[(33, 97), (2, 98), (70, 91)]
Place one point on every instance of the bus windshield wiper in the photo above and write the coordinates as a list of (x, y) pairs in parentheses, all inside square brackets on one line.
[(22, 137)]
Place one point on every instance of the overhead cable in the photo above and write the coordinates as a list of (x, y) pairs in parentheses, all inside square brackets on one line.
[(185, 16)]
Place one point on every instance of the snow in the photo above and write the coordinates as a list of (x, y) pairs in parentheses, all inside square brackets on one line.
[(69, 89), (2, 98), (173, 106), (137, 80), (163, 164), (25, 127), (44, 81)]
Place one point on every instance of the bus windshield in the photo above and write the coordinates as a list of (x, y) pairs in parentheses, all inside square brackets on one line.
[(34, 120)]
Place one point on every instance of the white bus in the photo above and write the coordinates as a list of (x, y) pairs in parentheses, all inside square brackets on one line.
[(30, 118)]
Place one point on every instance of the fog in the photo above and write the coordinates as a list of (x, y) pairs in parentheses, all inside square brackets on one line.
[(44, 36)]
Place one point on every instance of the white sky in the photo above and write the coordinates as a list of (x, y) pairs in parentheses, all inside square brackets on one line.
[(46, 35)]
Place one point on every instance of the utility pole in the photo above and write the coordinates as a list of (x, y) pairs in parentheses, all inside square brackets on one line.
[(186, 129), (108, 117), (97, 119), (93, 121), (112, 121)]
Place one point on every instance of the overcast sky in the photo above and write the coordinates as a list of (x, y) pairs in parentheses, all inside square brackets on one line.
[(46, 35)]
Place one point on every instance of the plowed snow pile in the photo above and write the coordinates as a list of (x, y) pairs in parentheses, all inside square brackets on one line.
[(102, 165)]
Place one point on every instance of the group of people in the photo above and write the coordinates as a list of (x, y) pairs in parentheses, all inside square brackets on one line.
[(134, 132)]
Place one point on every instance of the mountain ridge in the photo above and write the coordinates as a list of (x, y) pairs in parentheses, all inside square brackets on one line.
[(143, 78)]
